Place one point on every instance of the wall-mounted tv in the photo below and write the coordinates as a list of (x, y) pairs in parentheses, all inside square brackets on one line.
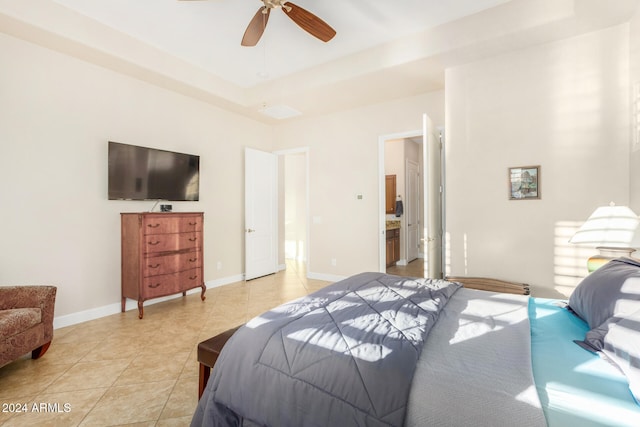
[(141, 173)]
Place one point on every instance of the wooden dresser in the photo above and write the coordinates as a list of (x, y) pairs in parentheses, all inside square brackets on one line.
[(162, 254)]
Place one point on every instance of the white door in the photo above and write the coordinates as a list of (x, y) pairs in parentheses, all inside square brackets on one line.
[(260, 213), (412, 210), (432, 199)]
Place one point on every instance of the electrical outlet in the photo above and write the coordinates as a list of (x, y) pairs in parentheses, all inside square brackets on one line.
[(219, 265), (334, 262)]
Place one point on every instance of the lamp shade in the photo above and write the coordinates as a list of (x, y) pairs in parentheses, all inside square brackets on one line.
[(608, 227)]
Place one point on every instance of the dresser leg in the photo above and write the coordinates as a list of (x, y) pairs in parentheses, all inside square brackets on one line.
[(204, 288), (123, 304), (140, 310)]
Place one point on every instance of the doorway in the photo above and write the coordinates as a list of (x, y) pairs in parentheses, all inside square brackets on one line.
[(426, 238), (276, 212), (294, 208)]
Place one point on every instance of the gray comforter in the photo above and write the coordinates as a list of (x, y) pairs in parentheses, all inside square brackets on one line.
[(344, 355)]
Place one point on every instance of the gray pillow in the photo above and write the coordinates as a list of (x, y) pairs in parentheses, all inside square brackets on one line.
[(606, 296), (622, 347)]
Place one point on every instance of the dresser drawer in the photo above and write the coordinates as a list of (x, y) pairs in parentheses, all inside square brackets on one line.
[(171, 224), (167, 284), (166, 264), (155, 243)]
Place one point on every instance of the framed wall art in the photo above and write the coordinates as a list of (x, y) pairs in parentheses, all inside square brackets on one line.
[(524, 183)]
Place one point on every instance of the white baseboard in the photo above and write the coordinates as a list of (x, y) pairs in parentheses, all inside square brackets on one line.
[(108, 310)]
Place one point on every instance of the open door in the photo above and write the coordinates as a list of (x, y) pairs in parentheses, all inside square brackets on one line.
[(432, 160), (260, 213)]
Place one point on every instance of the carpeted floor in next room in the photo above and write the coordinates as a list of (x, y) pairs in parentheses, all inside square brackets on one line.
[(119, 370)]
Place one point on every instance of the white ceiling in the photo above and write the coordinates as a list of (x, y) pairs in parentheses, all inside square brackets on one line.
[(383, 50), (208, 33)]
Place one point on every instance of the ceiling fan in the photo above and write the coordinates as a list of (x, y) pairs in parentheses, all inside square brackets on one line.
[(305, 20)]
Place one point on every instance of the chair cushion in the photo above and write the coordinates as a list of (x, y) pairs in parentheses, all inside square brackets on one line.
[(17, 320)]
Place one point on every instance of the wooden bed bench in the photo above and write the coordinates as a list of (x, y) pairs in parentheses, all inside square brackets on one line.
[(494, 285), (209, 350)]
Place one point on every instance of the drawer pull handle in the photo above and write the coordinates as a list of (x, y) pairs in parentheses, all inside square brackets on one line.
[(193, 223), (192, 239), (154, 266), (154, 243), (153, 225), (154, 286), (193, 277), (193, 259)]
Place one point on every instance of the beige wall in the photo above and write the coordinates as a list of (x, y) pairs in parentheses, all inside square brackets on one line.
[(634, 78), (343, 162), (56, 116), (562, 105)]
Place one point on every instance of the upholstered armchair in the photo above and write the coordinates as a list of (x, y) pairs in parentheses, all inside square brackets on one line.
[(26, 321)]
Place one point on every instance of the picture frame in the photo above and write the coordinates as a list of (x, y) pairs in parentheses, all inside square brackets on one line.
[(524, 182)]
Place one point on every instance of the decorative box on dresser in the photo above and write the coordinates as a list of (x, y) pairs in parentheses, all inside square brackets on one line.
[(162, 255)]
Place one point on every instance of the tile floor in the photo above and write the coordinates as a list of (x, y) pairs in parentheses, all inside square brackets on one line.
[(119, 370), (416, 268)]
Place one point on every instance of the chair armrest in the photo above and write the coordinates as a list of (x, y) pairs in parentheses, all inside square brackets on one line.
[(36, 296)]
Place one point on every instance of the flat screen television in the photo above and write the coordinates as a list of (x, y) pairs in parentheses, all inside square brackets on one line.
[(141, 173)]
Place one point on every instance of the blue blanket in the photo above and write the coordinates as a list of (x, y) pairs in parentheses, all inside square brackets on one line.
[(344, 355), (576, 387)]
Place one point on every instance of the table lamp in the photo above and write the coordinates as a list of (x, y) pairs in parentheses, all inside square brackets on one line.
[(611, 230)]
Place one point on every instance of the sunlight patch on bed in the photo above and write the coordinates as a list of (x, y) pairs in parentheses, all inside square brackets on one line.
[(595, 368), (594, 406), (479, 330), (256, 322), (529, 396), (336, 342)]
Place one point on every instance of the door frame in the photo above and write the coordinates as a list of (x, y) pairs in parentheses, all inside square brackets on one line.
[(307, 249), (382, 139)]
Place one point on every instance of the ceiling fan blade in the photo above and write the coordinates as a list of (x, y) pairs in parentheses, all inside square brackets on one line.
[(309, 22), (256, 27)]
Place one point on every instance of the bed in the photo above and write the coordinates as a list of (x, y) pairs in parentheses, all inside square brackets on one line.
[(381, 350)]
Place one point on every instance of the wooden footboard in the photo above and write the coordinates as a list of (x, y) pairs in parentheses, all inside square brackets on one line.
[(494, 285)]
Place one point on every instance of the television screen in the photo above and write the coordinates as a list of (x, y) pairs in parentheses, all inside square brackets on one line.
[(141, 173)]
